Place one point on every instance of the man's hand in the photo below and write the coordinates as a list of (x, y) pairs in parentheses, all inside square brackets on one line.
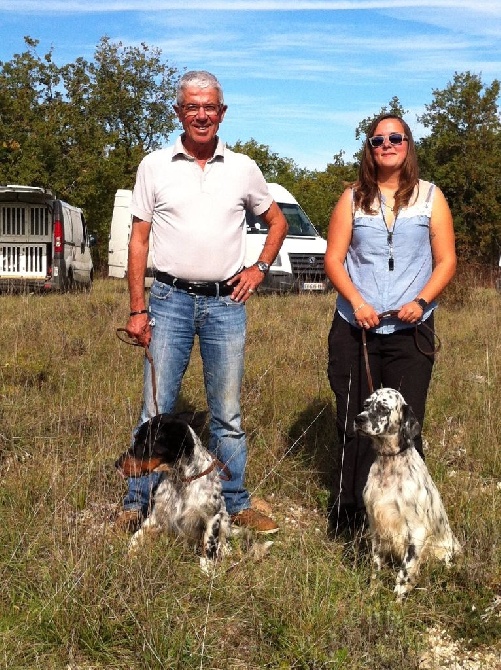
[(138, 328), (245, 283)]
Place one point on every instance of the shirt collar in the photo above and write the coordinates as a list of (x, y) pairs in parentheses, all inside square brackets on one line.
[(178, 150)]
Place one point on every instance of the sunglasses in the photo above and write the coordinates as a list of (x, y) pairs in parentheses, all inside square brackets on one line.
[(393, 138)]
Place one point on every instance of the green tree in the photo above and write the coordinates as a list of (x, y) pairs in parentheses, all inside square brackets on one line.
[(31, 108), (318, 191), (283, 171), (462, 154), (81, 129)]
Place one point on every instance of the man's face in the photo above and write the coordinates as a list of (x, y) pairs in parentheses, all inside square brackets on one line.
[(200, 114)]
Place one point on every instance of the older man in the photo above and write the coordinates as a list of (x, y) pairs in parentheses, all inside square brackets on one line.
[(193, 196)]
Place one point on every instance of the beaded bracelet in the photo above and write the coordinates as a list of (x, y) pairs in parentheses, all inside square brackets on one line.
[(359, 307)]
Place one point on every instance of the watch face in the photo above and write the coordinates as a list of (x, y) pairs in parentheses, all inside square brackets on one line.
[(264, 267)]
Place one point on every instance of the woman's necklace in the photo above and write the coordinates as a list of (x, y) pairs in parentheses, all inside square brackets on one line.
[(390, 231)]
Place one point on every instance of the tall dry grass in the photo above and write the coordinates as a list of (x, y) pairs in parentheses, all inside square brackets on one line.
[(71, 597)]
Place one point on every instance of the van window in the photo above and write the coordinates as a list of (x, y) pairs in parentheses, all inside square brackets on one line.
[(299, 223), (76, 224), (68, 232)]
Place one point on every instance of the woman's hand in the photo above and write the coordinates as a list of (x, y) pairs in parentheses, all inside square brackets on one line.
[(366, 316), (411, 312)]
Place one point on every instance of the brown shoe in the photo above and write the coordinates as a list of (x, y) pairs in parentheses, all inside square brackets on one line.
[(261, 505), (254, 520), (129, 520)]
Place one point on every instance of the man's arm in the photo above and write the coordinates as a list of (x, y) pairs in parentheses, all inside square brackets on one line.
[(138, 325), (246, 282)]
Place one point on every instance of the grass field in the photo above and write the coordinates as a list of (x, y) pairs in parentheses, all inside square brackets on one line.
[(71, 597)]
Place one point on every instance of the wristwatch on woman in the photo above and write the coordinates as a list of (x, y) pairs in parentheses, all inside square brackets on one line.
[(422, 303)]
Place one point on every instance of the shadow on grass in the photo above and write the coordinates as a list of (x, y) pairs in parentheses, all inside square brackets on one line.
[(316, 441)]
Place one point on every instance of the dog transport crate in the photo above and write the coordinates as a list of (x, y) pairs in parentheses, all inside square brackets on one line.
[(25, 233)]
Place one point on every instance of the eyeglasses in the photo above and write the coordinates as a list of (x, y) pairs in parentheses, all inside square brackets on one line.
[(393, 138), (193, 109)]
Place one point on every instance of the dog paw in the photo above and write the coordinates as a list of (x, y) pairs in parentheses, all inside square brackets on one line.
[(401, 590), (208, 566)]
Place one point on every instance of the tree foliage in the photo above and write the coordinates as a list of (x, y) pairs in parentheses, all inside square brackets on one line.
[(462, 154), (82, 128), (274, 168), (318, 191)]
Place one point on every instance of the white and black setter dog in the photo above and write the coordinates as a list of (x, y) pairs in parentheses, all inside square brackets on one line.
[(406, 515), (188, 501)]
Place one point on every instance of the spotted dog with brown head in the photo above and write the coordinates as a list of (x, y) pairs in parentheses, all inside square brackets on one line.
[(406, 515), (188, 501)]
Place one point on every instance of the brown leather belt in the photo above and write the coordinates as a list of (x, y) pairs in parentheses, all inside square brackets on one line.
[(206, 288)]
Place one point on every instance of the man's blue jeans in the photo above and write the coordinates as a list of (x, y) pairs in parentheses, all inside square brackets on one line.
[(220, 323)]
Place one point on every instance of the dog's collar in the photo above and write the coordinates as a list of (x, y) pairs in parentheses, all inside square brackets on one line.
[(131, 468), (216, 463), (400, 451)]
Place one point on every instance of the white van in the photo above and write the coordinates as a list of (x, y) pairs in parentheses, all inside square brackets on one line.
[(120, 229), (299, 265), (44, 242)]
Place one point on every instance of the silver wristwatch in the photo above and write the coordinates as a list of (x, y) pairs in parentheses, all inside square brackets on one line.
[(261, 265)]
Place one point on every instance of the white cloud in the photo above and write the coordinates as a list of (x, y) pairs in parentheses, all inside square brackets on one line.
[(490, 7)]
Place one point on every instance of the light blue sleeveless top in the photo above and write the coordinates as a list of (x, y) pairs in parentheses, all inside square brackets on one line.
[(367, 261)]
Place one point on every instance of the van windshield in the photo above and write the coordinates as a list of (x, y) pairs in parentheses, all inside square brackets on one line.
[(299, 223)]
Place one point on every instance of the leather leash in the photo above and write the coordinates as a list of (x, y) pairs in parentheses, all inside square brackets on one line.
[(133, 342), (391, 314), (215, 461)]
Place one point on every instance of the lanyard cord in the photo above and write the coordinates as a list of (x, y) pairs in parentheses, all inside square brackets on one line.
[(389, 238)]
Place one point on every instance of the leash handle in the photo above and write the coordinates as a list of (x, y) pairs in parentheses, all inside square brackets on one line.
[(127, 339), (392, 313)]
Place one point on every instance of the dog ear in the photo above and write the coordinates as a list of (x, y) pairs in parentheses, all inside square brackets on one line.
[(165, 437), (409, 428), (195, 419)]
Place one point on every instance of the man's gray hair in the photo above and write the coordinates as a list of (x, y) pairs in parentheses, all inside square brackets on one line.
[(198, 79)]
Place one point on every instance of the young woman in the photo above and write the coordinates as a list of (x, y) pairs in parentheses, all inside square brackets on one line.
[(390, 246)]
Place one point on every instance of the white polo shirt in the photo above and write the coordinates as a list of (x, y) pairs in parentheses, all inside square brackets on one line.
[(198, 216)]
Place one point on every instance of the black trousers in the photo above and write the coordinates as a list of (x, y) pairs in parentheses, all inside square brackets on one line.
[(395, 361)]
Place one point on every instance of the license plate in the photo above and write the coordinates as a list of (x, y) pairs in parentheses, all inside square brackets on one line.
[(313, 286)]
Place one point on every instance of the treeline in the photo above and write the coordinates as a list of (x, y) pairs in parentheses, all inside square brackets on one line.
[(82, 128)]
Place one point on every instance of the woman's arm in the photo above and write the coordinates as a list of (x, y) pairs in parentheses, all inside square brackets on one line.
[(444, 257), (338, 242)]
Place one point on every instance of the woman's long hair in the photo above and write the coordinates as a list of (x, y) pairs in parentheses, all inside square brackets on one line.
[(367, 189)]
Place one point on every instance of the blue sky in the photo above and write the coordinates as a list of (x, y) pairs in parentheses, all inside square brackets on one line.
[(298, 75)]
